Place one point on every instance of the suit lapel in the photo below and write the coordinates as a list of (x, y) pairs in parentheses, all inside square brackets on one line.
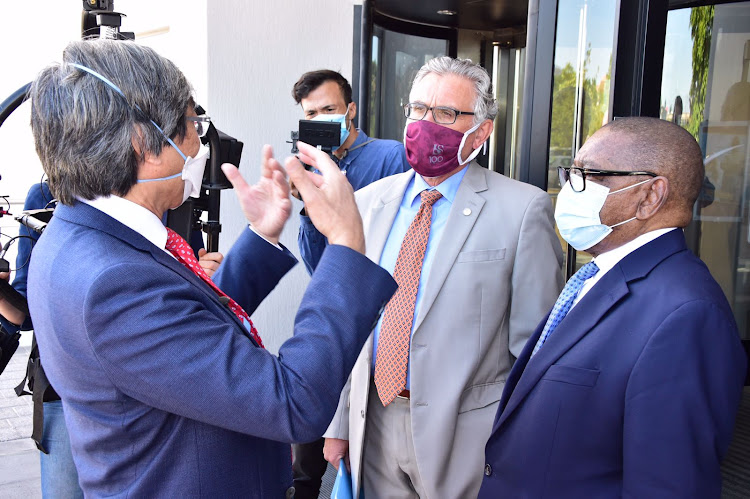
[(579, 321), (611, 289), (383, 211), (83, 214), (456, 231)]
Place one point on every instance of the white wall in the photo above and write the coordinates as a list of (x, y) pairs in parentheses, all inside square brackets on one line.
[(257, 51)]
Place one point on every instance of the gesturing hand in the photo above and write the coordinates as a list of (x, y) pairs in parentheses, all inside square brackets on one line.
[(266, 205), (329, 198)]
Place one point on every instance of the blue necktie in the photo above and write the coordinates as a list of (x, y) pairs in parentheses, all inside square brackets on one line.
[(565, 301)]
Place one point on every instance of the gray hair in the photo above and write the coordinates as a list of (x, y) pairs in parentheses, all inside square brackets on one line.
[(485, 106), (90, 138)]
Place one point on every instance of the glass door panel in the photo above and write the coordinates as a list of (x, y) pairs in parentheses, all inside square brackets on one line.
[(705, 89), (584, 47), (396, 58)]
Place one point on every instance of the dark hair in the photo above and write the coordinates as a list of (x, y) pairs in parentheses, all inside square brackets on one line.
[(84, 130), (313, 79)]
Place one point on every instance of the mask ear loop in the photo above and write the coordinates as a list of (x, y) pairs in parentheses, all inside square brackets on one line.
[(475, 152), (625, 189), (117, 89), (630, 186)]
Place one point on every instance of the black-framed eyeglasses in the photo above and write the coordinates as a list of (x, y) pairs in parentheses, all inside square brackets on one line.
[(201, 124), (577, 176), (442, 115)]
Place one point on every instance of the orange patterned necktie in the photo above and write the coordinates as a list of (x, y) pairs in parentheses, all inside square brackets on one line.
[(395, 331), (184, 254)]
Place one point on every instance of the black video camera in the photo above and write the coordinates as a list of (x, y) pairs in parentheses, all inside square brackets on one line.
[(187, 217), (99, 20), (325, 135)]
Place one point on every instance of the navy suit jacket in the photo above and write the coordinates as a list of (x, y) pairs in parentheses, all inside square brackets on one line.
[(633, 395), (165, 394)]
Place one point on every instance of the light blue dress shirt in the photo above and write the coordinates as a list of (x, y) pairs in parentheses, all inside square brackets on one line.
[(406, 213)]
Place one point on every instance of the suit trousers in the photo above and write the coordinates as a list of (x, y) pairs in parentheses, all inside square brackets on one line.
[(308, 468), (389, 463)]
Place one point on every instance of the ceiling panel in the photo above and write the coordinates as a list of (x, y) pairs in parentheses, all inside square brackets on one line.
[(485, 15)]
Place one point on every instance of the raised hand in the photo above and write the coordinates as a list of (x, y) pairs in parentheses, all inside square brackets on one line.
[(329, 197), (266, 205)]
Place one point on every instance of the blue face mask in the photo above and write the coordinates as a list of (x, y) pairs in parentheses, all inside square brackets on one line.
[(336, 118)]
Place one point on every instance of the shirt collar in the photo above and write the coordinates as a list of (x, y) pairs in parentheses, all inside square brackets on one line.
[(608, 260), (448, 187), (132, 215)]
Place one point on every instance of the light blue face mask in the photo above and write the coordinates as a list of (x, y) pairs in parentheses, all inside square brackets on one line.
[(336, 118), (192, 170), (577, 214)]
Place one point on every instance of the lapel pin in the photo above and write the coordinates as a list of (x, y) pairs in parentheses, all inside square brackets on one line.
[(467, 211)]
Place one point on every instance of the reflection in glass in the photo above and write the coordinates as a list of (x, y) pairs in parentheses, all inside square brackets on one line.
[(705, 89), (581, 87), (396, 58)]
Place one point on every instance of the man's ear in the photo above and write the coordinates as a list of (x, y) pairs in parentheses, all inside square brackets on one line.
[(482, 134), (352, 110), (656, 195), (136, 140)]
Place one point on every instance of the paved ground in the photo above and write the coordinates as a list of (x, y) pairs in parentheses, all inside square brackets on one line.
[(19, 459)]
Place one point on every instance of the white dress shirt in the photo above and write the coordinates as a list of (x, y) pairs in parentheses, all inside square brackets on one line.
[(134, 216), (606, 261)]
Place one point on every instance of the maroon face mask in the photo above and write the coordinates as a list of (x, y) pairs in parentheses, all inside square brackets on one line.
[(432, 150)]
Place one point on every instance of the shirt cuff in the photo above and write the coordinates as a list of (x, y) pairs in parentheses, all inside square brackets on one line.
[(264, 238)]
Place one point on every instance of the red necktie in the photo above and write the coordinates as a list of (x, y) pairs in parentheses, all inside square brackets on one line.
[(395, 331), (184, 253)]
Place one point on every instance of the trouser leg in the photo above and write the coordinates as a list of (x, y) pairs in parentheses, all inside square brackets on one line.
[(389, 464), (308, 467)]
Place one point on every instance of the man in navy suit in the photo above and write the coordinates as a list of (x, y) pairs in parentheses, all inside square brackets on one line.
[(166, 387), (631, 385)]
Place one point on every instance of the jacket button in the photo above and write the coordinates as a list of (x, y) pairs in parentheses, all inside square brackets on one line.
[(487, 469), (362, 413)]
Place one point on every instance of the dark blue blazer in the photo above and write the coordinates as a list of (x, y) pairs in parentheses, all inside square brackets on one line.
[(164, 392), (633, 395)]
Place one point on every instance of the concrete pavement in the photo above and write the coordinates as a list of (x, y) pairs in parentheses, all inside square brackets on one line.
[(19, 458)]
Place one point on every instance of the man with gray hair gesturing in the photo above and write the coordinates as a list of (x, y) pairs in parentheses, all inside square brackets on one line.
[(478, 264), (166, 387)]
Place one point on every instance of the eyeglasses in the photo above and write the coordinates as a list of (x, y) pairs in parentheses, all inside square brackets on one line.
[(442, 115), (201, 124), (577, 176)]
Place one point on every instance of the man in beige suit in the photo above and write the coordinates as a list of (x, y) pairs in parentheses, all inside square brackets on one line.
[(478, 265)]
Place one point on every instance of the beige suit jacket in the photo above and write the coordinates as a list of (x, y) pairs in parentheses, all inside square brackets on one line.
[(496, 274)]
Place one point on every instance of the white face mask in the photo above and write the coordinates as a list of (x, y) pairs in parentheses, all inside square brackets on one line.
[(577, 214), (192, 172)]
